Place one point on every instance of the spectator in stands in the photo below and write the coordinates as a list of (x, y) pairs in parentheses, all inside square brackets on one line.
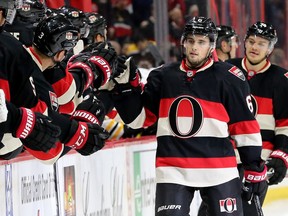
[(148, 55), (121, 22)]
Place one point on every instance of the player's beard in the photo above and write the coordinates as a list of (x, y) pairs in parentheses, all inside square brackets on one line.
[(193, 64), (256, 62)]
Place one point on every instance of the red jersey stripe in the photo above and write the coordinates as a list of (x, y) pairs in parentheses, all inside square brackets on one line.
[(264, 105), (222, 162), (218, 112), (244, 127), (4, 85)]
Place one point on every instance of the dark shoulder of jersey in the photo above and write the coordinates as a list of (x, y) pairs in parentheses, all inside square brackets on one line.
[(21, 31), (16, 69), (236, 61), (52, 75)]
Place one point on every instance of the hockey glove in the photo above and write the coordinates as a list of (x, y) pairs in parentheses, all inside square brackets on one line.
[(93, 68), (86, 138), (90, 110), (278, 162), (255, 180), (36, 131), (125, 76)]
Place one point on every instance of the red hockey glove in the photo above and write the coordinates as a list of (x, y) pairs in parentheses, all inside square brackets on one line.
[(86, 138), (36, 131), (278, 162), (90, 110), (255, 180)]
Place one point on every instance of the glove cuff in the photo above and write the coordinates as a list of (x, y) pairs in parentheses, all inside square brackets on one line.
[(280, 154), (255, 176), (78, 140), (85, 116), (26, 124), (103, 66), (88, 73)]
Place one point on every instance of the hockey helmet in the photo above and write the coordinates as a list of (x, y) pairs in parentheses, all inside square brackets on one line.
[(224, 33), (55, 33), (76, 17), (263, 30), (97, 24), (31, 12), (201, 26), (9, 9)]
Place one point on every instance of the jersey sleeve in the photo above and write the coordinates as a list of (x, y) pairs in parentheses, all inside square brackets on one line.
[(243, 127)]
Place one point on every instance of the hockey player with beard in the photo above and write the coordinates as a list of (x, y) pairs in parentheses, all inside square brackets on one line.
[(195, 102), (269, 87), (30, 89)]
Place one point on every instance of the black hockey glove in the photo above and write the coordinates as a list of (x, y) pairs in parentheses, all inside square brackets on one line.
[(278, 162), (90, 110), (36, 131), (86, 138), (126, 75), (255, 180)]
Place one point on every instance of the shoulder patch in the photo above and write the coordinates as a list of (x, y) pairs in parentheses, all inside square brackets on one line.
[(237, 72), (286, 74)]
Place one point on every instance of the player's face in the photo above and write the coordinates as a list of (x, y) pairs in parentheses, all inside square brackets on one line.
[(257, 49), (196, 50)]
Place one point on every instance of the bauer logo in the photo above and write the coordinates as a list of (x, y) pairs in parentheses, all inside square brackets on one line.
[(228, 205)]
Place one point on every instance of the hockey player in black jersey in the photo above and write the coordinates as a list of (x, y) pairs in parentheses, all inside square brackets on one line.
[(30, 89), (34, 129), (269, 87), (26, 19), (227, 42), (195, 103)]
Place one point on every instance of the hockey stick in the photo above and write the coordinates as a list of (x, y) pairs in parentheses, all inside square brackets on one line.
[(258, 205)]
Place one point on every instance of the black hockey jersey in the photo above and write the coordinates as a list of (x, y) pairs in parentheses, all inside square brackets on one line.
[(197, 111), (24, 85), (269, 88)]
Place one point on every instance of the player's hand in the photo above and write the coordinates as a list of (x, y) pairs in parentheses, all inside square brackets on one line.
[(91, 109), (125, 77), (278, 162), (255, 180), (86, 138), (36, 131)]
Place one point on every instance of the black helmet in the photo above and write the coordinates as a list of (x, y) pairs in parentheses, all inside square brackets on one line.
[(76, 17), (263, 30), (201, 26), (31, 12), (224, 33), (9, 9), (97, 25), (55, 33)]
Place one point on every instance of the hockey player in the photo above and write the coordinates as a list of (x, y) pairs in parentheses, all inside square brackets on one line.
[(269, 87), (31, 90), (26, 19), (227, 42), (195, 103), (34, 129)]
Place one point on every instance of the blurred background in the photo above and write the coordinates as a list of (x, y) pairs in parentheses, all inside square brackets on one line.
[(131, 22)]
